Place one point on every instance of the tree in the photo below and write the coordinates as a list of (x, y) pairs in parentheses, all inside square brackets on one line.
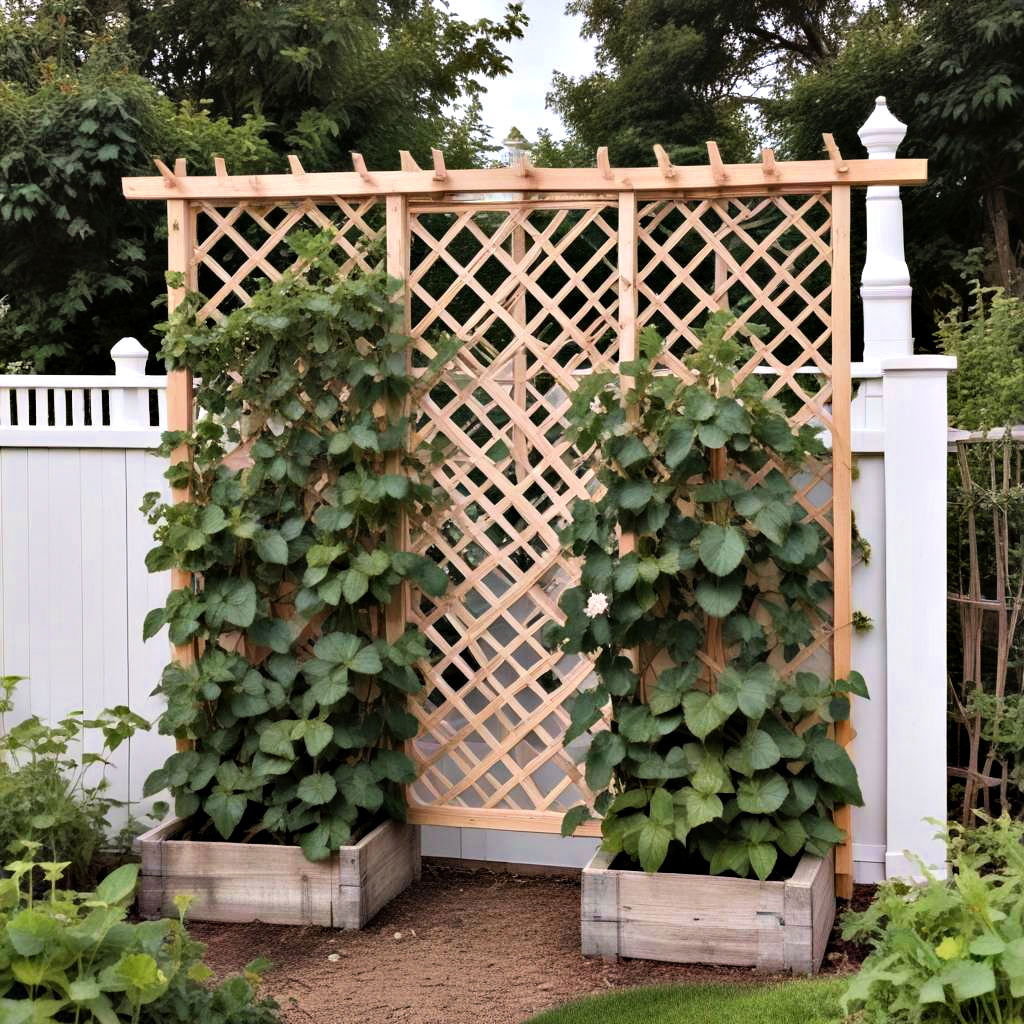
[(91, 91), (680, 72)]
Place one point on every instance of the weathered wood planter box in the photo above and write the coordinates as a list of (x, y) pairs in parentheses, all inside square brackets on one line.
[(276, 884), (774, 926)]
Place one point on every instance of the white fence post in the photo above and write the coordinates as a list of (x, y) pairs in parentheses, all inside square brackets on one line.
[(129, 407), (914, 399), (885, 281)]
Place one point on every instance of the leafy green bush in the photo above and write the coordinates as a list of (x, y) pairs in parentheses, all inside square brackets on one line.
[(710, 761), (948, 950), (297, 701), (74, 957), (52, 791), (987, 389)]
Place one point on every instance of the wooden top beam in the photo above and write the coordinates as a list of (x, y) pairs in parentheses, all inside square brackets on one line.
[(741, 179)]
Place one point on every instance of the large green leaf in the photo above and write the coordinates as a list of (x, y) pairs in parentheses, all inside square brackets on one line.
[(317, 789), (705, 712), (225, 811), (232, 601), (721, 548), (718, 597), (762, 794), (606, 751), (271, 547), (833, 765), (653, 845)]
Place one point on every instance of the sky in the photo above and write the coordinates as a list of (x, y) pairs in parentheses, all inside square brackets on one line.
[(552, 42)]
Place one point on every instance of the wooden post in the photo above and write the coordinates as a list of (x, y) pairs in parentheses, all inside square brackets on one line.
[(842, 522), (180, 406), (397, 265)]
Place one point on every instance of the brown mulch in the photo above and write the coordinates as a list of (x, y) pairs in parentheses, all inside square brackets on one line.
[(459, 947)]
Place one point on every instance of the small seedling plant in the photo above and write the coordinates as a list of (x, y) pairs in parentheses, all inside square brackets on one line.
[(300, 473), (700, 580)]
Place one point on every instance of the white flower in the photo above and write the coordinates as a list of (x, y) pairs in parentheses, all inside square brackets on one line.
[(596, 406), (344, 394), (597, 604)]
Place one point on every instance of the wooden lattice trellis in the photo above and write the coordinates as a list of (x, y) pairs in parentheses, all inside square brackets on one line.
[(546, 274)]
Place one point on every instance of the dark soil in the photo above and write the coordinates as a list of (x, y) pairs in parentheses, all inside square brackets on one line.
[(460, 947)]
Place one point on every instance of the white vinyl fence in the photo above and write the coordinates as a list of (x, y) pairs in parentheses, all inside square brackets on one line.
[(74, 589)]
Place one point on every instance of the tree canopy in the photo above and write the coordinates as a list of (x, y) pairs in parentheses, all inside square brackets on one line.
[(90, 91)]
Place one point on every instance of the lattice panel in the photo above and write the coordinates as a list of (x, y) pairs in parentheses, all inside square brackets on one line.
[(533, 291), (238, 247), (769, 260), (533, 294)]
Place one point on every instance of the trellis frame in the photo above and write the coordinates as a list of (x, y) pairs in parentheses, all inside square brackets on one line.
[(623, 187)]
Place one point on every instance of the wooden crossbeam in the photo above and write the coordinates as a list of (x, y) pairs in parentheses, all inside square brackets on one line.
[(602, 163), (408, 163), (739, 179), (768, 167), (295, 166), (219, 167)]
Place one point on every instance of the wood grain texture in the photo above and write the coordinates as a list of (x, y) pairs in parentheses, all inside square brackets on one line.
[(773, 926), (242, 882), (730, 179)]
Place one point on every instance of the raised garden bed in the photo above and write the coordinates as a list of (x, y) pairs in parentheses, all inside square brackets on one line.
[(773, 925), (241, 882)]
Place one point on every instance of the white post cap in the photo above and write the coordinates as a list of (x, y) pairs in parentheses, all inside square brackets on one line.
[(130, 358), (882, 133)]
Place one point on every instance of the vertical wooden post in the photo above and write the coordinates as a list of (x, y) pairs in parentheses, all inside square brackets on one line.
[(842, 522), (627, 262), (520, 449), (397, 265), (180, 406)]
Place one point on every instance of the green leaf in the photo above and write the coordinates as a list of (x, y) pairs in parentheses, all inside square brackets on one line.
[(678, 443), (721, 548), (700, 807), (606, 751), (575, 817), (635, 494), (833, 765), (653, 846), (762, 858), (119, 885), (225, 810), (271, 547), (232, 601), (316, 736), (969, 978), (774, 520), (662, 809), (354, 585), (366, 662), (762, 794), (317, 789), (718, 597), (705, 712)]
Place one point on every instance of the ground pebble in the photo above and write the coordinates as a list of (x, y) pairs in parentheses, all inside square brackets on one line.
[(333, 957)]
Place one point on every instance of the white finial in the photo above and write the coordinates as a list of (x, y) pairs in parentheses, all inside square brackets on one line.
[(129, 357), (882, 133)]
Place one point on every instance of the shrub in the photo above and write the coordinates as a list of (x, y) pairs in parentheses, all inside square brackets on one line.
[(52, 791), (69, 956), (296, 702), (723, 570), (987, 389), (948, 950)]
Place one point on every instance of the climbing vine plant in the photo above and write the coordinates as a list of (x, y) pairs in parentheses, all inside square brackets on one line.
[(700, 581), (300, 470)]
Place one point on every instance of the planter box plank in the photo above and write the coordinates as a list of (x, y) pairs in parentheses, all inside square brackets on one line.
[(773, 926), (243, 882)]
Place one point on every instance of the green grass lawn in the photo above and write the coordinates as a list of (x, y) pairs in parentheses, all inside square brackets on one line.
[(795, 1002)]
